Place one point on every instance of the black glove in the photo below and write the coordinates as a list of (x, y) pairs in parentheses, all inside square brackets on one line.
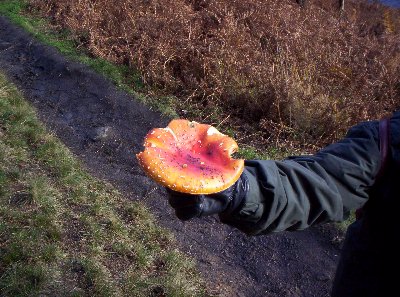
[(188, 206)]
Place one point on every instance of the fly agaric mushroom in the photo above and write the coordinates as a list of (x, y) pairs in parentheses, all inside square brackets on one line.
[(190, 157)]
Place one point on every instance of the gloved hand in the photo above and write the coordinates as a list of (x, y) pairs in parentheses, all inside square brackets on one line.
[(188, 206)]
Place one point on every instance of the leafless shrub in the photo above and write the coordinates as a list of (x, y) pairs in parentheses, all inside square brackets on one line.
[(315, 71)]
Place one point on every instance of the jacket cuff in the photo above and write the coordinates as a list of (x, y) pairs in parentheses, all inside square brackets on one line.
[(246, 215)]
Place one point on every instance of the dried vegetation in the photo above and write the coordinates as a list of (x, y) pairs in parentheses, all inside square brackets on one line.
[(291, 75)]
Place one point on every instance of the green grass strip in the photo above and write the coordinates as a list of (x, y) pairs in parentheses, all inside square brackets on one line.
[(122, 76), (65, 233)]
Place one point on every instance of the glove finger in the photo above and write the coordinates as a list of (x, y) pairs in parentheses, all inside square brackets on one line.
[(184, 201), (187, 213), (213, 204)]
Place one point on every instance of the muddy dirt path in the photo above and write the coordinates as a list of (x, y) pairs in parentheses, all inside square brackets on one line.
[(105, 127)]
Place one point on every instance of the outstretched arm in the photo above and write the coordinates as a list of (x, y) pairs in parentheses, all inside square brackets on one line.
[(298, 192)]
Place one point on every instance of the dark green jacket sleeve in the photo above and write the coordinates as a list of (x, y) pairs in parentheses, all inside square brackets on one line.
[(301, 191)]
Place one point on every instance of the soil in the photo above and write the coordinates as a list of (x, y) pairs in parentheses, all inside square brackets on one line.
[(105, 127)]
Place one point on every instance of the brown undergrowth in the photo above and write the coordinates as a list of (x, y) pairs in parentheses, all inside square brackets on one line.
[(302, 75)]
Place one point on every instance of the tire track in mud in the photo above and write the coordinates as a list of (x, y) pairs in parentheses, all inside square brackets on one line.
[(105, 127)]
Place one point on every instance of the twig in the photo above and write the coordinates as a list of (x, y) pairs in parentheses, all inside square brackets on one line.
[(223, 120)]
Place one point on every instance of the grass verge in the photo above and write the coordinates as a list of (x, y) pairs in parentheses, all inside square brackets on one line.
[(65, 233)]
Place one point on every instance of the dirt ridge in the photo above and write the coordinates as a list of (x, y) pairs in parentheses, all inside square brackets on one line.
[(105, 127)]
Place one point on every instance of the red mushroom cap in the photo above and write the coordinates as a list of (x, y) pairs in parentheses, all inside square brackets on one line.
[(190, 157)]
